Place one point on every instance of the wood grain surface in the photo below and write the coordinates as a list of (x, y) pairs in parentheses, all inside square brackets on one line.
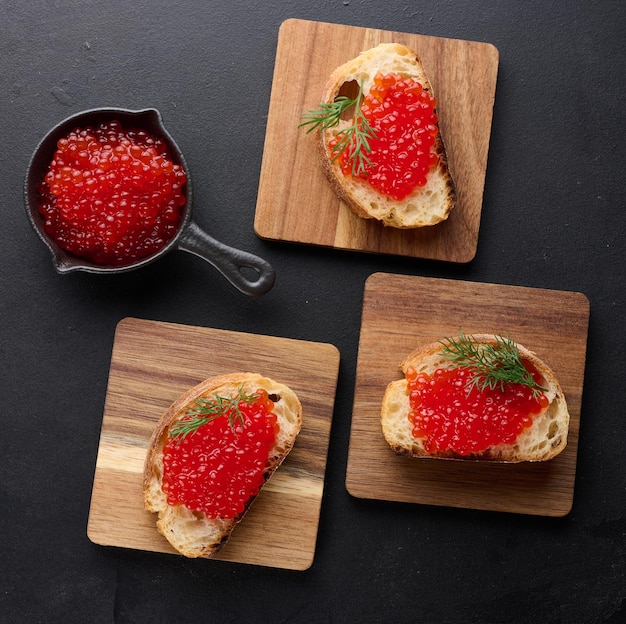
[(152, 364), (295, 202), (401, 313)]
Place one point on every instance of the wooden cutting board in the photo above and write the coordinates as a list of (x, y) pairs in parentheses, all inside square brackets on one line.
[(401, 313), (295, 202), (152, 364)]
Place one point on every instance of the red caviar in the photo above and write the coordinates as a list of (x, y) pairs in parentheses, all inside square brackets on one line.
[(403, 118), (216, 469), (111, 195), (451, 419)]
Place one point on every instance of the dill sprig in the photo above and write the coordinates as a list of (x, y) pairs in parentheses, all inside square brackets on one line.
[(355, 136), (205, 410), (493, 365)]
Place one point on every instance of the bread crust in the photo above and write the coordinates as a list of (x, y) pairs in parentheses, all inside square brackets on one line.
[(542, 441), (426, 205), (190, 532)]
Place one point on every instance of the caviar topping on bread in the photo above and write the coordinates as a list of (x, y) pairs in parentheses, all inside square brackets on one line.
[(480, 397), (379, 140), (212, 452)]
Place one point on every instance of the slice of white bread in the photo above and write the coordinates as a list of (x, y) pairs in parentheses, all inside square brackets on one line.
[(543, 440), (426, 205), (192, 533)]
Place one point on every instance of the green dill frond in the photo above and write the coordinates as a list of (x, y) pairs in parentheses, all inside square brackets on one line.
[(493, 365), (355, 137), (205, 410)]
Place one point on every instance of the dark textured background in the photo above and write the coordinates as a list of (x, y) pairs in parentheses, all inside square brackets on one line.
[(553, 217)]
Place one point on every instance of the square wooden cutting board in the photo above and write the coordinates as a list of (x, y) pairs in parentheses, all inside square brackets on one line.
[(401, 313), (295, 202), (152, 364)]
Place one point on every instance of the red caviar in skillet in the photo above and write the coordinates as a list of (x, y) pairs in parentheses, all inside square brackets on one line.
[(112, 195)]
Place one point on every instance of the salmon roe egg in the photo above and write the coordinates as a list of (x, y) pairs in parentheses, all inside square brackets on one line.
[(216, 469), (452, 419), (112, 195), (402, 115)]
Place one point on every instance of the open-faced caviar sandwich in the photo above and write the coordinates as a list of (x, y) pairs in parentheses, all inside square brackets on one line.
[(211, 453), (379, 139), (479, 397)]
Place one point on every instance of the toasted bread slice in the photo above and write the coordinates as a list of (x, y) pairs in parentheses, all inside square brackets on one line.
[(426, 205), (541, 441), (190, 532)]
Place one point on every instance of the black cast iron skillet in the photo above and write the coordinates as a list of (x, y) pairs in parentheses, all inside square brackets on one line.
[(232, 263)]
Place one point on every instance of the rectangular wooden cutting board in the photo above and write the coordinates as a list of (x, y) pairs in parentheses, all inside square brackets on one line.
[(295, 202), (401, 313), (152, 364)]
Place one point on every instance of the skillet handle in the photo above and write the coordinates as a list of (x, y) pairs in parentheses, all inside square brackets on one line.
[(228, 260)]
